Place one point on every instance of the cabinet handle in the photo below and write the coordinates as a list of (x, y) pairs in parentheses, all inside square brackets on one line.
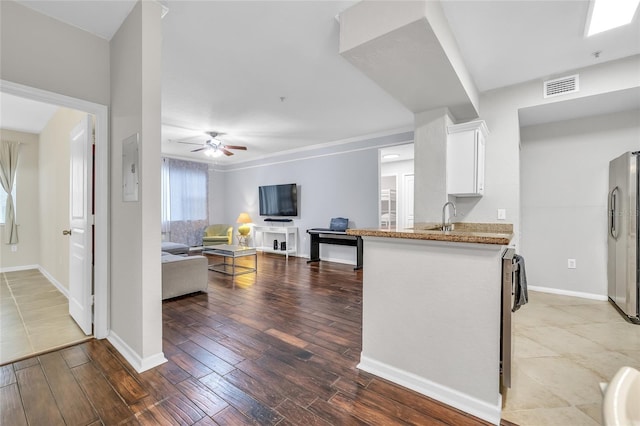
[(66, 232)]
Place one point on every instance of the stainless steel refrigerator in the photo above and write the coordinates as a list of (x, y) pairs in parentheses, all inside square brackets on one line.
[(622, 265)]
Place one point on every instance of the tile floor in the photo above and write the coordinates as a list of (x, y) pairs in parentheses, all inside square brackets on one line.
[(34, 316), (564, 347)]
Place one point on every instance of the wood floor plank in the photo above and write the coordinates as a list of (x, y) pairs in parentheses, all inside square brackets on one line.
[(102, 357), (420, 403), (172, 372), (202, 397), (7, 375), (39, 405), (207, 358), (175, 410), (241, 401), (11, 410), (333, 414), (108, 404), (296, 415), (75, 356), (205, 421), (362, 411), (232, 417), (217, 349), (25, 363), (301, 395), (127, 386), (72, 402), (287, 338), (191, 365)]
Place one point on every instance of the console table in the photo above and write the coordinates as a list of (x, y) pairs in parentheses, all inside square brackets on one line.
[(326, 236), (265, 235)]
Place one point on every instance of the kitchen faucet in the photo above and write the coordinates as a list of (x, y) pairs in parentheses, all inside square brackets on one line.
[(446, 226)]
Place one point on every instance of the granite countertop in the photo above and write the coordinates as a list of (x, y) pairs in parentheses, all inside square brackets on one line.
[(463, 232)]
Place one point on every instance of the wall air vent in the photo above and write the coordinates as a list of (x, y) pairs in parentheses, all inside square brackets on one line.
[(561, 86)]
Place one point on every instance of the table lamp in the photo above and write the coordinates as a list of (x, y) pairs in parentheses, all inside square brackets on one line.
[(244, 219)]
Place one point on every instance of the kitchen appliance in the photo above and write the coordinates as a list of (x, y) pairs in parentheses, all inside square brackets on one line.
[(622, 261)]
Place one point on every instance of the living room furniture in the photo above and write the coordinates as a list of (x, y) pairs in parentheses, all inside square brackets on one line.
[(327, 236), (266, 235), (175, 248), (183, 275), (232, 252), (217, 234)]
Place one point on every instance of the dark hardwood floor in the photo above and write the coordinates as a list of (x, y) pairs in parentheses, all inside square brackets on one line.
[(278, 347)]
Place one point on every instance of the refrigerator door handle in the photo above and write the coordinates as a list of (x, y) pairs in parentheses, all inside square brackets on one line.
[(613, 215)]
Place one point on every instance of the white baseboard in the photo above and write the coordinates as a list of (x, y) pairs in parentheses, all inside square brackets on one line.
[(568, 293), (139, 364), (55, 282), (19, 268), (454, 398)]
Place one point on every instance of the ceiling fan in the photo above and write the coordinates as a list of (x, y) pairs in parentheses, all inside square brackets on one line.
[(214, 147)]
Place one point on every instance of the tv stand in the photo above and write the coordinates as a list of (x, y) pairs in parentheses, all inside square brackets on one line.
[(270, 219), (265, 236)]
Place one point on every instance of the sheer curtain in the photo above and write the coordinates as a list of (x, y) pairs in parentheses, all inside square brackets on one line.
[(166, 199), (185, 208), (8, 167), (188, 190)]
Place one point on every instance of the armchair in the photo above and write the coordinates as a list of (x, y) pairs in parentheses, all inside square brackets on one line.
[(217, 234)]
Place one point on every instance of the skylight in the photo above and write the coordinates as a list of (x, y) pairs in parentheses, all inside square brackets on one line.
[(608, 14)]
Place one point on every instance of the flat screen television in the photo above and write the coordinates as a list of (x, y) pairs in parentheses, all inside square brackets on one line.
[(278, 200)]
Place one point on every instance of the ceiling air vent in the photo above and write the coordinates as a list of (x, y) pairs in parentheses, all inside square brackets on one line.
[(561, 86)]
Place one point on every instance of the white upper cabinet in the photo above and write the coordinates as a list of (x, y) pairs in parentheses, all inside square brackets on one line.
[(465, 158)]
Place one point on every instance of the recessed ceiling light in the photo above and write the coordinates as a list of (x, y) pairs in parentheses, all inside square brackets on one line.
[(608, 14), (390, 156)]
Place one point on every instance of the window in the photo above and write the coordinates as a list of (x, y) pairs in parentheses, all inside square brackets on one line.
[(3, 202), (184, 194)]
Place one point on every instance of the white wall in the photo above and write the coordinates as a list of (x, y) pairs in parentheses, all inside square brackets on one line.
[(41, 52), (564, 181), (26, 204), (337, 181), (136, 308), (54, 194)]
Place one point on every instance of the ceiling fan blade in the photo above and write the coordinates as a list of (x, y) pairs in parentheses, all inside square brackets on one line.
[(200, 149), (190, 143), (243, 148), (227, 153)]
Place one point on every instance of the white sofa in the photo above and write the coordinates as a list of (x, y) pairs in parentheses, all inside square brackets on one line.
[(183, 275)]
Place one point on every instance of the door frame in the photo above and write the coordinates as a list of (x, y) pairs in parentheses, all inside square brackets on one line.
[(101, 192)]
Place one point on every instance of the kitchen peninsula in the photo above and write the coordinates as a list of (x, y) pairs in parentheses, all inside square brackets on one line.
[(431, 311)]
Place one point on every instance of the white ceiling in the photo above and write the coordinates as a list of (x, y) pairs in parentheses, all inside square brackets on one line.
[(24, 115), (227, 64)]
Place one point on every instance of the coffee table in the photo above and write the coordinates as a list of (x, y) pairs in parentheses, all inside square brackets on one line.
[(232, 252)]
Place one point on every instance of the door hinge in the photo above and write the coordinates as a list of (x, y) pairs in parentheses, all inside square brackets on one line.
[(93, 299), (93, 219)]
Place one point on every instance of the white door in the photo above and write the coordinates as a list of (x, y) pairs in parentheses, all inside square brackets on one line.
[(408, 201), (80, 221)]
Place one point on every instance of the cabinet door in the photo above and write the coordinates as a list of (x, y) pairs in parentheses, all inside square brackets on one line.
[(465, 159), (462, 163)]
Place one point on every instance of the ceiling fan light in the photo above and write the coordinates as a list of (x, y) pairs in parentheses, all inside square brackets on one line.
[(214, 152)]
